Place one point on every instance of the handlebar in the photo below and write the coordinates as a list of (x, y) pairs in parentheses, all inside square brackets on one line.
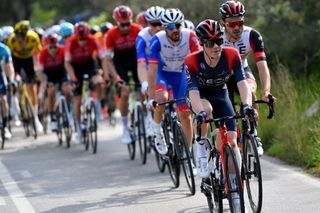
[(171, 102)]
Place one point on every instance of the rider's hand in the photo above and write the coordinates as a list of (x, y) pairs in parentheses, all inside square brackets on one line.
[(144, 87), (151, 104), (201, 116), (265, 97), (250, 112)]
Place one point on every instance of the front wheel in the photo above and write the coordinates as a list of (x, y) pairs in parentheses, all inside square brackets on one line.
[(92, 128), (234, 188), (252, 173), (141, 136)]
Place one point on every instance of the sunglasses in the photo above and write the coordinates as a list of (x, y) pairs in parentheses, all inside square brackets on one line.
[(155, 24), (83, 39), (211, 43), (175, 26), (125, 24), (234, 24), (52, 47)]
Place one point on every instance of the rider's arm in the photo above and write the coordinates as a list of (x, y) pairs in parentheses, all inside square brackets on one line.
[(7, 65), (257, 45), (141, 59), (153, 66), (67, 63)]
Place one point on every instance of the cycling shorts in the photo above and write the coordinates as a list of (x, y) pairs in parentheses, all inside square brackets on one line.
[(221, 105), (123, 70), (56, 76), (178, 83), (26, 64)]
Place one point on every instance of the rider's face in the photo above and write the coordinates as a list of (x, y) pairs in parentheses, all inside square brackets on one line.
[(234, 26), (174, 31)]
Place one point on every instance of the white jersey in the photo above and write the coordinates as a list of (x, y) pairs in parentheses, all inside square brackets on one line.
[(143, 44)]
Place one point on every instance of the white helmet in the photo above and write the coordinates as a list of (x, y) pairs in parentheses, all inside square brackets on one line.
[(188, 24), (153, 13), (7, 31), (171, 16)]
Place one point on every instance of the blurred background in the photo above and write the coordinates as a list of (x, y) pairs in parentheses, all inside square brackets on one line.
[(290, 29)]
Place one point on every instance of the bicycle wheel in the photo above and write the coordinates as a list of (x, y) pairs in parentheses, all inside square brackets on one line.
[(24, 117), (65, 126), (43, 115), (183, 153), (31, 120), (92, 129), (252, 173), (234, 189), (142, 139), (2, 125), (132, 145), (59, 118)]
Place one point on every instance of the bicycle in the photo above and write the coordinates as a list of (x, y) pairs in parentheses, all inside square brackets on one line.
[(218, 186), (27, 112), (88, 117), (251, 168), (62, 117), (137, 126), (178, 149)]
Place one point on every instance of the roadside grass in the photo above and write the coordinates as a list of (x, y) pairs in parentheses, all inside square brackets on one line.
[(290, 135)]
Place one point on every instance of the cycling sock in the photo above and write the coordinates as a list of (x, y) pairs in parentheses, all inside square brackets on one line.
[(36, 110), (78, 127), (156, 127), (5, 121), (125, 122), (52, 116)]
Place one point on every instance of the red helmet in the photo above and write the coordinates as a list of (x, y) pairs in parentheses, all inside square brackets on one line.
[(51, 39), (209, 30), (231, 9), (81, 30), (140, 19), (122, 14)]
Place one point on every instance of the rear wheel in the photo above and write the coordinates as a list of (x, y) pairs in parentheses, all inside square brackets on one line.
[(184, 157), (2, 125), (141, 134), (132, 145), (234, 187), (31, 120), (252, 173)]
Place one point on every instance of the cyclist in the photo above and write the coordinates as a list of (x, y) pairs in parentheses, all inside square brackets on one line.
[(51, 60), (120, 42), (79, 53), (208, 71), (7, 31), (247, 40), (66, 30), (24, 45), (6, 62), (152, 16), (188, 24), (168, 49), (141, 19)]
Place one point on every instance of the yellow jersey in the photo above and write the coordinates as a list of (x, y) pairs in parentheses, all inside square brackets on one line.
[(25, 49)]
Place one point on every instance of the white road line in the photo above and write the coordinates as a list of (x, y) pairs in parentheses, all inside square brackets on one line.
[(18, 198), (2, 201), (25, 174)]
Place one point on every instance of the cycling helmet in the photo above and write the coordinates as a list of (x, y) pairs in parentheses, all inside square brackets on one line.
[(51, 39), (154, 13), (171, 16), (188, 24), (104, 27), (94, 29), (66, 29), (7, 31), (81, 30), (140, 19), (122, 14), (22, 27), (209, 30), (231, 9)]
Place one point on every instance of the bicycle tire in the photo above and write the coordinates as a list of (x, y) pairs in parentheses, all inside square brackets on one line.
[(161, 163), (59, 125), (66, 126), (132, 145), (2, 126), (24, 118), (229, 154), (142, 139), (31, 121), (252, 173), (184, 156), (92, 119)]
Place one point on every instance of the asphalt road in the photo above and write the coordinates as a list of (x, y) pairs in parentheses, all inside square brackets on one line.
[(39, 176)]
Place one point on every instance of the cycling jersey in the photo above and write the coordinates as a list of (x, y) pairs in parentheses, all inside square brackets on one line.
[(53, 66), (5, 55), (77, 54), (170, 60), (211, 81), (123, 46), (143, 45), (27, 48), (250, 41)]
